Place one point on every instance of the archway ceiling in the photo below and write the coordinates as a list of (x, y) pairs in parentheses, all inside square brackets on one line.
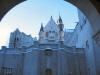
[(6, 5)]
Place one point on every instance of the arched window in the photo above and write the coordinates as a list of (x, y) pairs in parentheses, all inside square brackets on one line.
[(47, 34), (48, 72), (15, 41), (48, 52), (50, 31), (87, 44)]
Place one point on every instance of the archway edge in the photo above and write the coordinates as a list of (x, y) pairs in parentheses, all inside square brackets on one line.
[(6, 5), (91, 10)]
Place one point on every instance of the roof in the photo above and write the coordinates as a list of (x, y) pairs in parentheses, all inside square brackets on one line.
[(51, 25)]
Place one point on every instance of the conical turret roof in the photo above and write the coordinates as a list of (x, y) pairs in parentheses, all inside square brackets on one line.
[(41, 29), (59, 21)]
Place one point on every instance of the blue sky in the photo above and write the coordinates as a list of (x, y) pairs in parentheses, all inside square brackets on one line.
[(28, 16)]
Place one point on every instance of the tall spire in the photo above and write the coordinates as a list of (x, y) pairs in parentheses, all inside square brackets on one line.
[(41, 29), (51, 18), (60, 20), (59, 16), (60, 23)]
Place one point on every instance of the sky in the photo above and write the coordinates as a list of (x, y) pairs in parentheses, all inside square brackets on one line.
[(28, 15)]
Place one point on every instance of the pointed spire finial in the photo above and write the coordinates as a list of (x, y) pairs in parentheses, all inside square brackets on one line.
[(59, 15), (41, 29), (51, 17)]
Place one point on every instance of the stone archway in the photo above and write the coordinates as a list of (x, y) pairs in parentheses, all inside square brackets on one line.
[(91, 8)]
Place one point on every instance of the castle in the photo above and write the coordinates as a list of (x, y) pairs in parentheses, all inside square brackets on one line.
[(50, 34), (49, 55)]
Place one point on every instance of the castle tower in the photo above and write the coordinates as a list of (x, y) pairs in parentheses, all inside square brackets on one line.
[(60, 23), (61, 27), (41, 34), (19, 40), (14, 39), (51, 32)]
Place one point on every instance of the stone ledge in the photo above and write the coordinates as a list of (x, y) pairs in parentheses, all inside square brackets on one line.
[(96, 37)]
